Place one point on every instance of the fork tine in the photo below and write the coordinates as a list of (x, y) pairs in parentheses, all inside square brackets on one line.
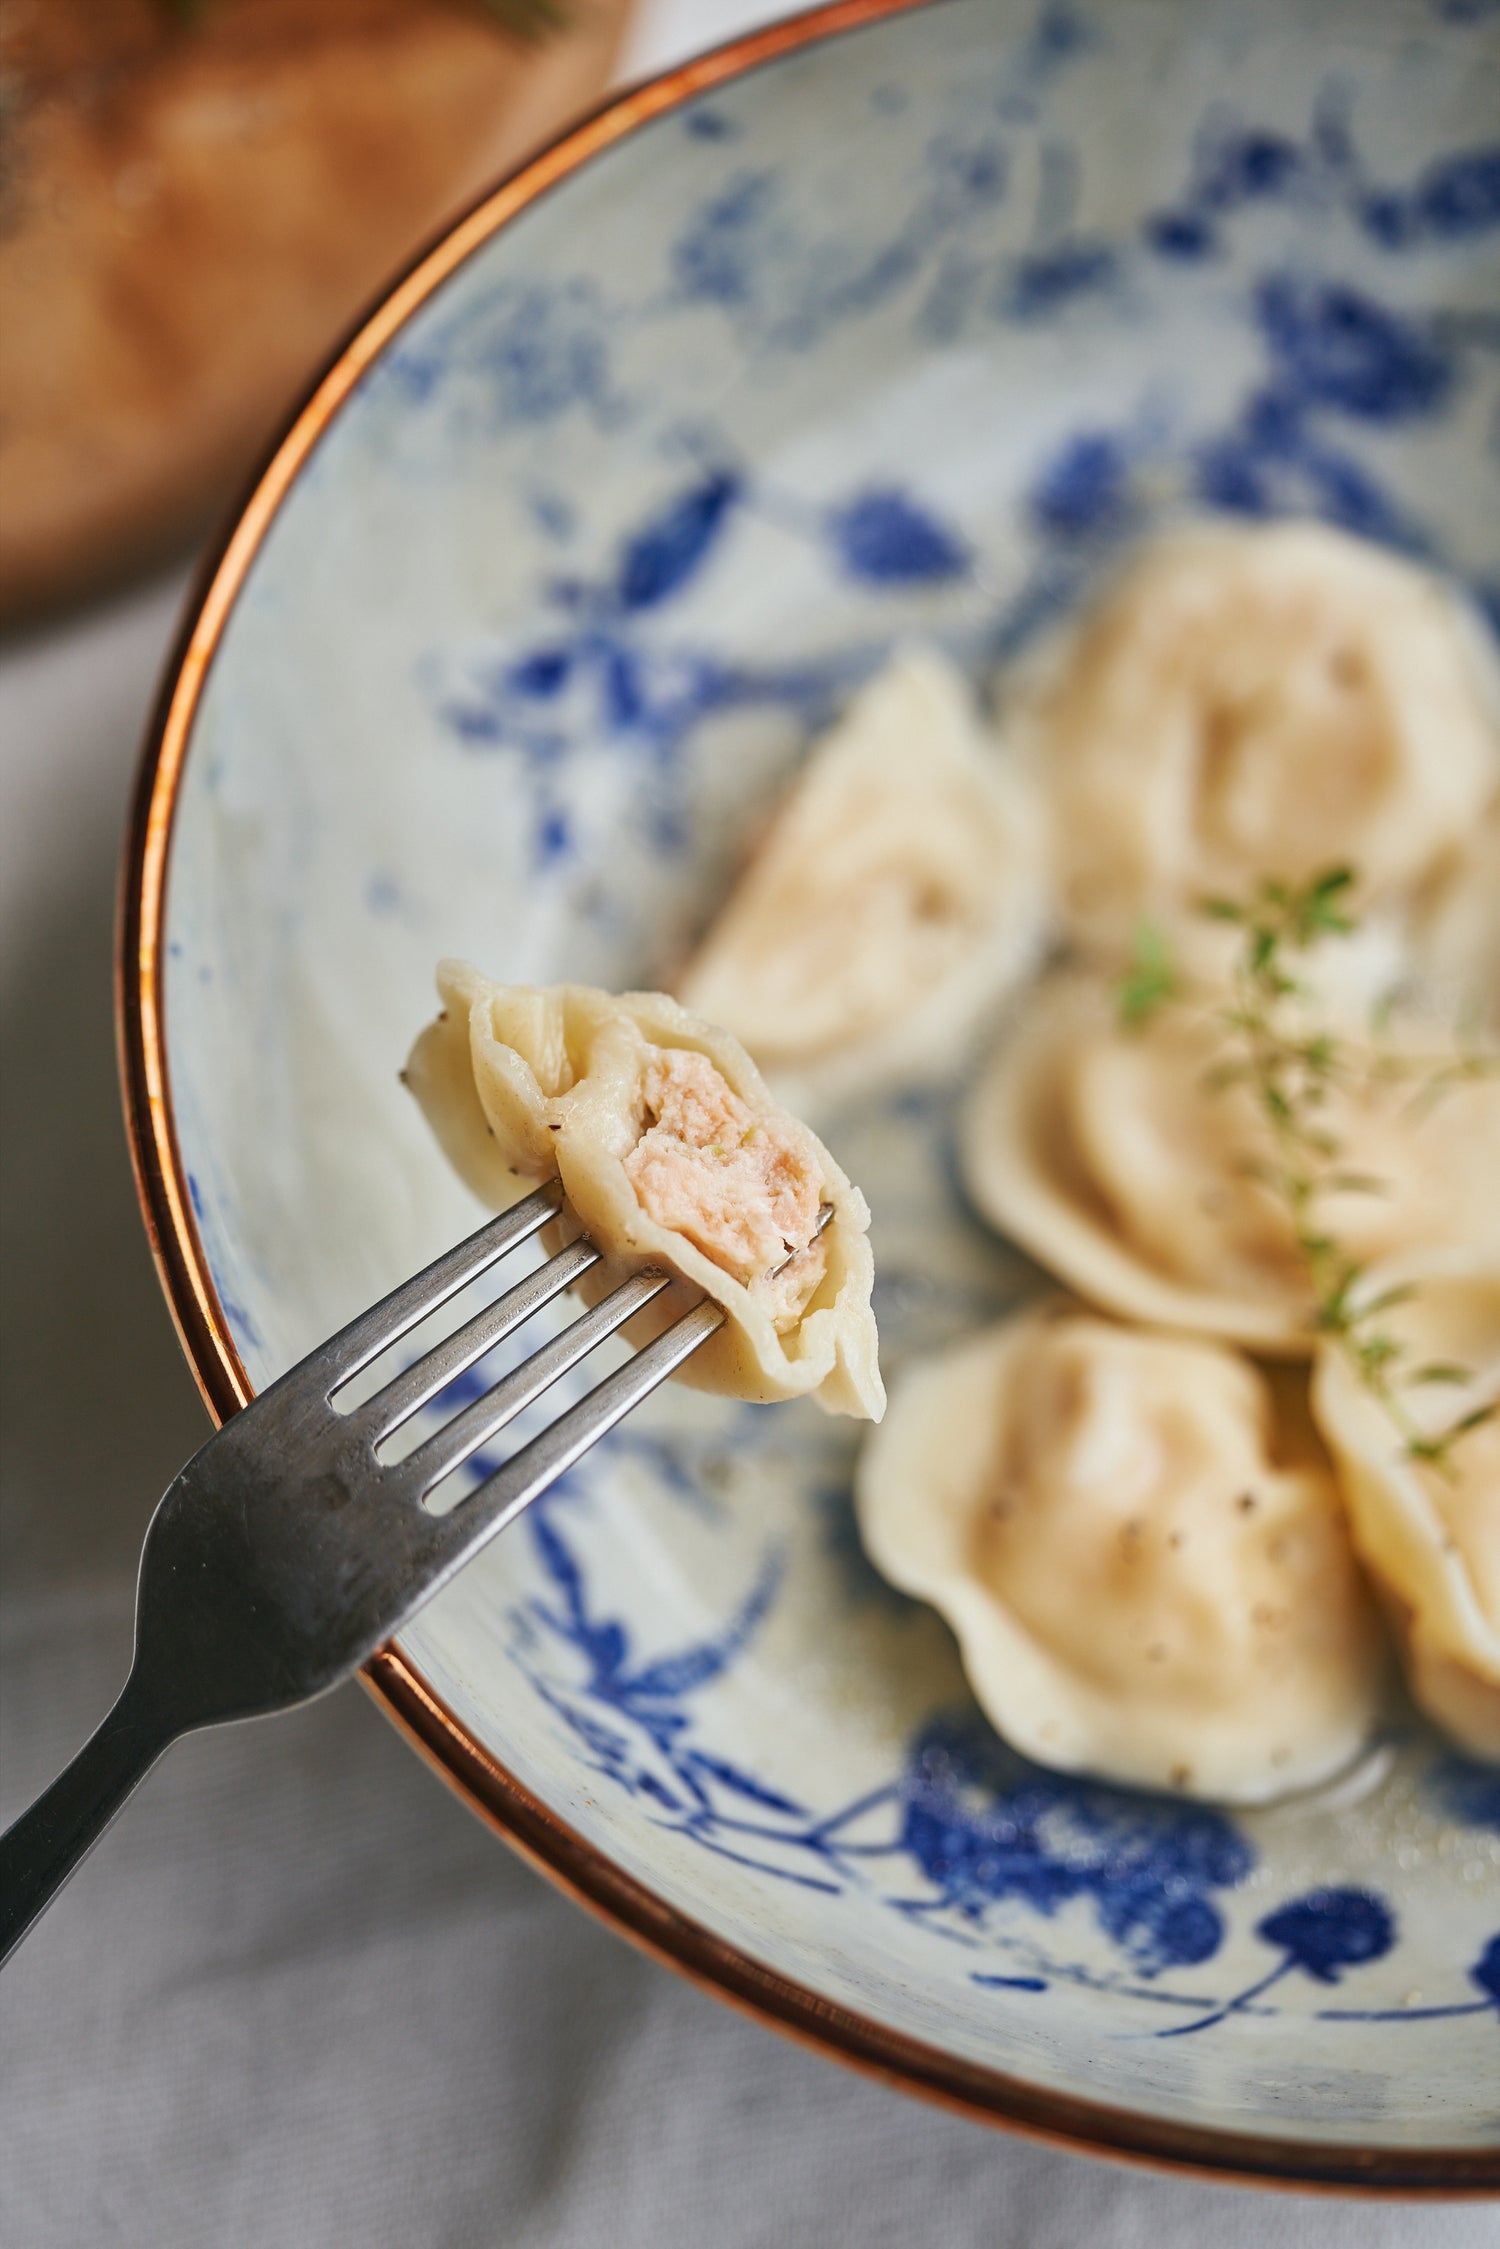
[(505, 1495), (384, 1413), (551, 1454), (468, 1430), (341, 1357)]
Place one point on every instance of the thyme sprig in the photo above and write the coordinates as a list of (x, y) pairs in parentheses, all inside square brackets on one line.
[(1289, 1062)]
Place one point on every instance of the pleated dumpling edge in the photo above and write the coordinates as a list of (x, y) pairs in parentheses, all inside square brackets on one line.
[(672, 1154)]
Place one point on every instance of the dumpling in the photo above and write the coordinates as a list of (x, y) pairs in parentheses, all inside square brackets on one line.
[(1457, 935), (1140, 1548), (1103, 1150), (672, 1154), (1251, 703), (1430, 1537), (898, 894)]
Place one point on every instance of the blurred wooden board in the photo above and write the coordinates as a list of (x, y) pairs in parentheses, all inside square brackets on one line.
[(189, 215)]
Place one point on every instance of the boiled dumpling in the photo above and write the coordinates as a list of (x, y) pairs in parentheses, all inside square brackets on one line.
[(898, 894), (1103, 1150), (1430, 1536), (1252, 703), (672, 1154), (1457, 933), (1140, 1550)]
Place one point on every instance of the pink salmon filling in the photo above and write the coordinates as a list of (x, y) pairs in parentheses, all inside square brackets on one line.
[(743, 1188)]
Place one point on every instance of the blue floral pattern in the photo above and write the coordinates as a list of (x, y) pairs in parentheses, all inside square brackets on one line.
[(617, 522), (969, 1839)]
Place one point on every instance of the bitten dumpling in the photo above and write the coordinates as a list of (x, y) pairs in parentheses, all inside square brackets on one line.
[(898, 894), (1140, 1548), (672, 1154), (1430, 1537), (1108, 1154), (1255, 702)]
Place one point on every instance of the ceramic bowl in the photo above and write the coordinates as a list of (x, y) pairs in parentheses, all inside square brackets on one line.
[(896, 320)]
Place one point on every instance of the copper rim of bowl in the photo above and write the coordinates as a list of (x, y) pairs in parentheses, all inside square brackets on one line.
[(551, 1846)]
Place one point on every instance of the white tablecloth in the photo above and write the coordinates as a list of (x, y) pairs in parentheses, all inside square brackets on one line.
[(301, 1998)]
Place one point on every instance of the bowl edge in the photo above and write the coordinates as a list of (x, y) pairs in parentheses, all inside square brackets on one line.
[(549, 1845)]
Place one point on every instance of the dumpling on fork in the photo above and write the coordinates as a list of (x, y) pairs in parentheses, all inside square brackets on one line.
[(1140, 1547), (672, 1154), (898, 895)]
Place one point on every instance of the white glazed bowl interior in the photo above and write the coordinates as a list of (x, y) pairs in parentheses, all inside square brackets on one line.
[(908, 333)]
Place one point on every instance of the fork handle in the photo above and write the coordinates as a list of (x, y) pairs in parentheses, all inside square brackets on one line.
[(47, 1842)]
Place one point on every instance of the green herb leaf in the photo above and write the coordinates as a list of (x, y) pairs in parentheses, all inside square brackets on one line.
[(1318, 911), (1289, 1070), (1387, 1298), (1152, 976)]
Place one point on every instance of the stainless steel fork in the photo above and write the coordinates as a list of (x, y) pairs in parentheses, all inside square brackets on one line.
[(287, 1551)]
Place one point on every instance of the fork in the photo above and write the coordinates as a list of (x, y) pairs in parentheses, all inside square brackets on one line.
[(287, 1551)]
